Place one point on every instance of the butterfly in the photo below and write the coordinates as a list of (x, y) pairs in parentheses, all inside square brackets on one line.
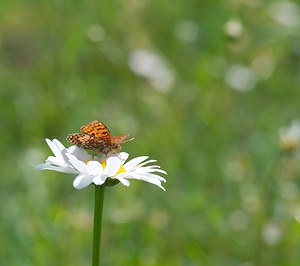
[(96, 136)]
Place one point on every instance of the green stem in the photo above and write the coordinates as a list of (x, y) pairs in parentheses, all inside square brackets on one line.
[(99, 197)]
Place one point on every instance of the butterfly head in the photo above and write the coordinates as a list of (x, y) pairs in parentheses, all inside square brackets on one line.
[(117, 142)]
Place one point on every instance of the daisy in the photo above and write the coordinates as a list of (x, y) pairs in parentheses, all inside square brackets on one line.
[(290, 136), (108, 170)]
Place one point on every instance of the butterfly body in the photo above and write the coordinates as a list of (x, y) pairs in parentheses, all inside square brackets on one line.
[(96, 136)]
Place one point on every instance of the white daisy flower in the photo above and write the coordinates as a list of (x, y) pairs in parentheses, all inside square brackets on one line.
[(109, 170), (290, 136), (60, 162)]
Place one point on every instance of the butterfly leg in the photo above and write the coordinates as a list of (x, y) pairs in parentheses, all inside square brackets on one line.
[(94, 154)]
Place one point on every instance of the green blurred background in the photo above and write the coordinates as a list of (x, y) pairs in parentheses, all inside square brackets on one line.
[(208, 88)]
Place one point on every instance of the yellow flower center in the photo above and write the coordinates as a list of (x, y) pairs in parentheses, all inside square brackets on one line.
[(103, 163), (121, 170)]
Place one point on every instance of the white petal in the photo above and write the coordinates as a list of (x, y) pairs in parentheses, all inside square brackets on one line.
[(151, 180), (58, 144), (149, 161), (154, 176), (56, 151), (123, 156), (42, 166), (134, 162), (99, 180), (161, 171), (45, 166), (94, 168), (113, 165), (79, 165), (143, 178), (82, 181), (124, 181), (151, 166), (79, 153), (150, 170), (55, 160)]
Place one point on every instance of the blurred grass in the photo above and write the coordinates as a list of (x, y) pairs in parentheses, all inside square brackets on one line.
[(207, 99)]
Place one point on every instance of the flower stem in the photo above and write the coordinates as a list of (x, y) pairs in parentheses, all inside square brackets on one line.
[(99, 197)]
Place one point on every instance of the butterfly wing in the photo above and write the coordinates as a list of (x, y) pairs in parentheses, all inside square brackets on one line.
[(98, 130), (119, 139), (86, 141)]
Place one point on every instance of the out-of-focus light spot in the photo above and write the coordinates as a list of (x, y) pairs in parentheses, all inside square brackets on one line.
[(237, 167), (271, 234), (289, 190), (159, 220), (155, 103), (290, 136), (81, 219), (263, 65), (120, 216), (240, 78), (235, 170), (233, 28), (96, 33), (186, 31), (123, 215), (286, 13), (251, 202), (238, 220), (152, 67), (296, 214), (248, 189)]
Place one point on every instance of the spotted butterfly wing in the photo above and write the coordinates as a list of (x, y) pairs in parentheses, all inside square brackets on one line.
[(86, 142), (96, 136), (98, 130), (119, 139)]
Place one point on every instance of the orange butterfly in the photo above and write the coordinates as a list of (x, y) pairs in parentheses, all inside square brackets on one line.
[(97, 137)]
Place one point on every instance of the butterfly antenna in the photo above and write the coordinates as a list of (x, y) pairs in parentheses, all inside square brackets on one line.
[(128, 140)]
